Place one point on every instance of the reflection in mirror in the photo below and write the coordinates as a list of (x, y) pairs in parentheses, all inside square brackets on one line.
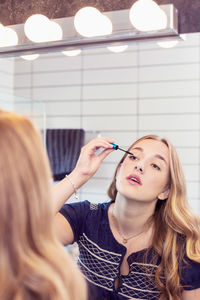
[(145, 89)]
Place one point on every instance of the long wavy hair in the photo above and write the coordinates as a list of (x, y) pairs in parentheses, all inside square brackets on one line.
[(177, 228), (33, 264)]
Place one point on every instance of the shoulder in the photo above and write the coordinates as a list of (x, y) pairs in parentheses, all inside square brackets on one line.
[(96, 207), (84, 208), (97, 211), (100, 207), (85, 217)]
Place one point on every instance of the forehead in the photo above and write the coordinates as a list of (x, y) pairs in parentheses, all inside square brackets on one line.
[(154, 147)]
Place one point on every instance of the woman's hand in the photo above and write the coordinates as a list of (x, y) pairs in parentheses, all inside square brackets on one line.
[(91, 156)]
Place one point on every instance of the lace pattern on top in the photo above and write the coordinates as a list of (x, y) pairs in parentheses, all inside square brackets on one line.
[(101, 267), (98, 265)]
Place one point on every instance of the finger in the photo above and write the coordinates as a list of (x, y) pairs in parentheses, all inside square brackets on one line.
[(102, 140), (104, 154), (96, 144), (109, 140)]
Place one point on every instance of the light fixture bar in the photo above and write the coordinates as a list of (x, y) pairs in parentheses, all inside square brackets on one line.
[(123, 31)]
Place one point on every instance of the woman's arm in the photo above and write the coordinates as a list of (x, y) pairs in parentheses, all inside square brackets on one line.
[(88, 163), (191, 295)]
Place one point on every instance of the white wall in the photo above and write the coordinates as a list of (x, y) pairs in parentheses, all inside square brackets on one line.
[(6, 84), (144, 90)]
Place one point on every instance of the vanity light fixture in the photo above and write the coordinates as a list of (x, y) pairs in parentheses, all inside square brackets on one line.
[(38, 28), (122, 32), (146, 15), (90, 22)]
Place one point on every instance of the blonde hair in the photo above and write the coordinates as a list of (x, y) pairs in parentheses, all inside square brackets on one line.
[(33, 264), (177, 228)]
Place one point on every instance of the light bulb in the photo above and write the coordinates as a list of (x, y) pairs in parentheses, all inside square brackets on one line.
[(117, 49), (8, 38), (168, 44), (89, 22), (37, 28), (55, 33), (105, 26), (74, 52), (146, 15), (30, 56)]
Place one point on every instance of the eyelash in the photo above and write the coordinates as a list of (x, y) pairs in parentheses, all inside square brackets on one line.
[(156, 167), (133, 157)]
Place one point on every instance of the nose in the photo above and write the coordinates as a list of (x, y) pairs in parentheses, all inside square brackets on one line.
[(139, 169)]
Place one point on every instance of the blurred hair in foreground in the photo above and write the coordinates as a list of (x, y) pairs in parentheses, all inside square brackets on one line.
[(33, 264)]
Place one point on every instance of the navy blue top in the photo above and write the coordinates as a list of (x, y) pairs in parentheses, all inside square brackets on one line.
[(100, 258)]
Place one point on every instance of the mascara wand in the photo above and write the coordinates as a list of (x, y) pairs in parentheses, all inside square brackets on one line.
[(116, 147)]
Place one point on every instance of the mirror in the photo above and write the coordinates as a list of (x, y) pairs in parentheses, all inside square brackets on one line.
[(146, 89)]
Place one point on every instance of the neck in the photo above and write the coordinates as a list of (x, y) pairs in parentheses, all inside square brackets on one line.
[(132, 216)]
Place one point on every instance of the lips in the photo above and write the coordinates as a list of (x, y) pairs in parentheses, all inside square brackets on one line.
[(134, 178)]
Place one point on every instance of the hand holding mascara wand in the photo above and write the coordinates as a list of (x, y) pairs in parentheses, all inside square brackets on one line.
[(116, 147)]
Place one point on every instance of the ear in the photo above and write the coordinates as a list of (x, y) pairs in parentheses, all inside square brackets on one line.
[(164, 195)]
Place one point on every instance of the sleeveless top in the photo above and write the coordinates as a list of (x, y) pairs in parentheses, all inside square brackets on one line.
[(100, 258)]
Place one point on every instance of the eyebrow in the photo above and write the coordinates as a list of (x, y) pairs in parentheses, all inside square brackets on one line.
[(156, 155)]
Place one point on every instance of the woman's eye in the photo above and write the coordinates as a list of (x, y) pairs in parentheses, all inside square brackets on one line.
[(156, 167), (133, 157)]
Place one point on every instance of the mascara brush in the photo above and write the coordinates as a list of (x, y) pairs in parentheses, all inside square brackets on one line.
[(116, 147)]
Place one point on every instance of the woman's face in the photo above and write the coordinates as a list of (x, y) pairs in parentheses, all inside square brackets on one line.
[(144, 175)]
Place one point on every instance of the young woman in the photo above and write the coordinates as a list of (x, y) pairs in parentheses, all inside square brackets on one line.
[(145, 243), (31, 257)]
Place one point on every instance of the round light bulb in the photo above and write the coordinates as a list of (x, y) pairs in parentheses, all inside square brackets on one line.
[(89, 22), (167, 44), (117, 49), (146, 15), (55, 33), (72, 52), (30, 56), (105, 26), (37, 28), (9, 37)]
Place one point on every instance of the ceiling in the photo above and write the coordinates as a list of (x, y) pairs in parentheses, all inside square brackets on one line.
[(17, 11)]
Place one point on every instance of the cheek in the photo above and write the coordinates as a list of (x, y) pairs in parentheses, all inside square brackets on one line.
[(127, 165), (158, 180)]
